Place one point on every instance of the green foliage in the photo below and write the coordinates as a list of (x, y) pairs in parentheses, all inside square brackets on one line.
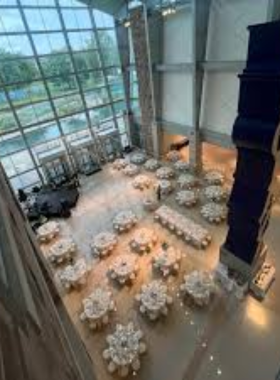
[(59, 65), (14, 69), (19, 72)]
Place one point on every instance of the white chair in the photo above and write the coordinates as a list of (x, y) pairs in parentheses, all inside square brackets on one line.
[(142, 348), (112, 367)]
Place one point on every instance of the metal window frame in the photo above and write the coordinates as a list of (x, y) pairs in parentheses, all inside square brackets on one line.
[(29, 33)]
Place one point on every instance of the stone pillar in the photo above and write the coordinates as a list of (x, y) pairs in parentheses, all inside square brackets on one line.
[(139, 28), (256, 136), (123, 45), (195, 151)]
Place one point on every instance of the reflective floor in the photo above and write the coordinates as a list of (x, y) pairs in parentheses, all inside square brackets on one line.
[(231, 340)]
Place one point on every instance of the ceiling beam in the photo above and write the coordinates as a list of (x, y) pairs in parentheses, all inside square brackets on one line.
[(112, 7)]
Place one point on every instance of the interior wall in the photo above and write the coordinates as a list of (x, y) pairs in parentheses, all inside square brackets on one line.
[(219, 101), (177, 90), (176, 32), (227, 40), (177, 86)]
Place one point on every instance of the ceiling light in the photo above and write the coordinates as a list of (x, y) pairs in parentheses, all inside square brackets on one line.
[(127, 23), (168, 10)]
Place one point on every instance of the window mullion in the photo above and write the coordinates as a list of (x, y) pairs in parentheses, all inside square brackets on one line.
[(92, 132), (57, 119)]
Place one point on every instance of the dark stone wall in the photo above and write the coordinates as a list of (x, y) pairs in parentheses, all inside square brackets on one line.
[(256, 135)]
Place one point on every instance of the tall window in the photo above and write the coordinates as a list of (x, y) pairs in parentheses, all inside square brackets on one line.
[(59, 75)]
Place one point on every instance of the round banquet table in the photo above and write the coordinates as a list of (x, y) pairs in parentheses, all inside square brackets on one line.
[(167, 261), (62, 250), (214, 177), (75, 275), (165, 186), (131, 170), (103, 244), (181, 166), (199, 286), (165, 172), (143, 240), (154, 300), (138, 158), (187, 181), (120, 163), (187, 198), (124, 221), (48, 231), (215, 193), (213, 212), (125, 346), (141, 182), (124, 269), (97, 308), (152, 165)]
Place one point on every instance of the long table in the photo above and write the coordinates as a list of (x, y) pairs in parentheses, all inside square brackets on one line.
[(193, 233)]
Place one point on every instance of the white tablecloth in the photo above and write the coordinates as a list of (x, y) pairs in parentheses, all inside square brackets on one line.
[(124, 221), (143, 240), (74, 275), (141, 182), (62, 250), (199, 286), (120, 163), (214, 177), (138, 158), (167, 261), (124, 268), (125, 346), (152, 165), (165, 172), (184, 227), (97, 308), (181, 166), (187, 198), (216, 193), (154, 300), (131, 170), (187, 181), (166, 186), (103, 244), (213, 212), (48, 231)]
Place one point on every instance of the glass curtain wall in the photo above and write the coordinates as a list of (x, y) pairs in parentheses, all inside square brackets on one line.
[(134, 95), (60, 78)]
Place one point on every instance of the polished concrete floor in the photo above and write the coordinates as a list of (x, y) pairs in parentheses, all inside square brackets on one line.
[(232, 340)]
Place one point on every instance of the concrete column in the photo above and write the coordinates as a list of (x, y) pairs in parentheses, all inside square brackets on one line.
[(200, 27)]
